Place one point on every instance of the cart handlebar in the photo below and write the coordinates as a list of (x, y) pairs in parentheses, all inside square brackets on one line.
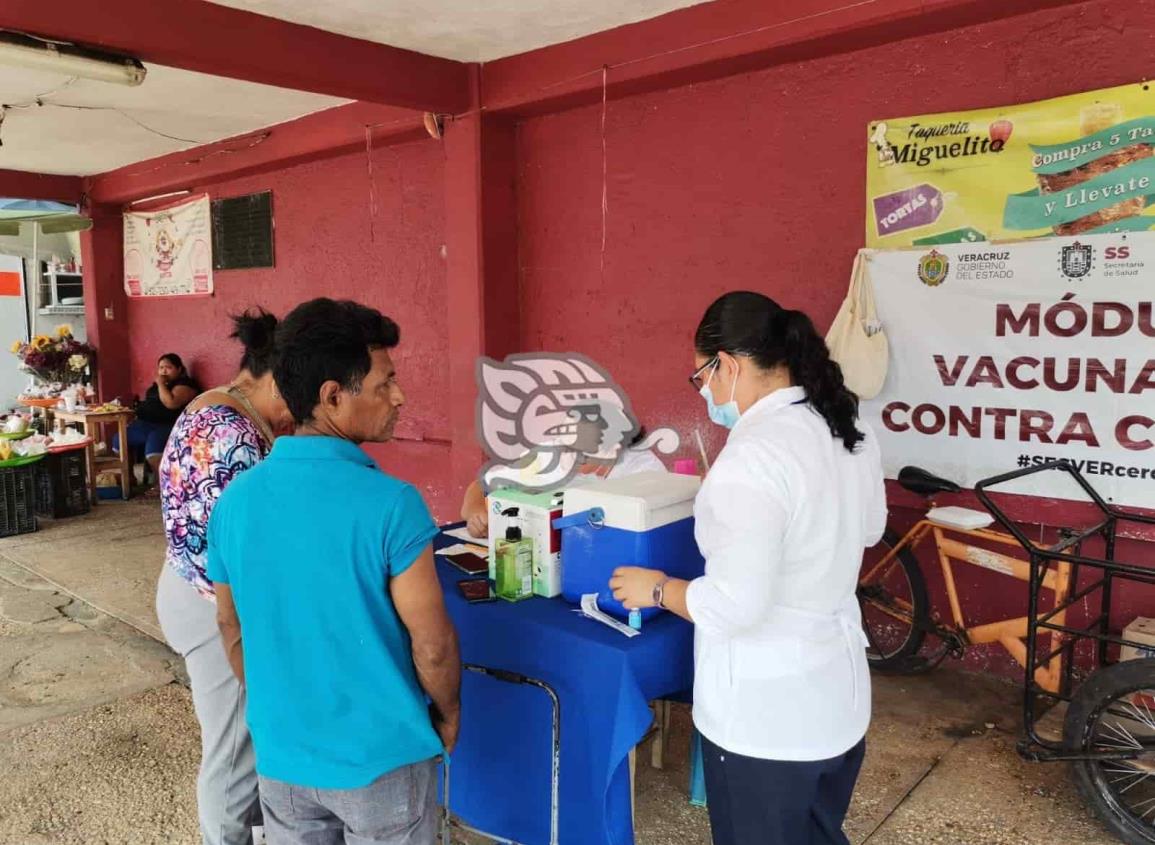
[(1111, 513), (981, 488)]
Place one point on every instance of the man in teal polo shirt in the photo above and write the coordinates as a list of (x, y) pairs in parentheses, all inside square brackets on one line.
[(329, 604)]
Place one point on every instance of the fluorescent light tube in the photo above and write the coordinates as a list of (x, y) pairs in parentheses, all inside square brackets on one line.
[(69, 60)]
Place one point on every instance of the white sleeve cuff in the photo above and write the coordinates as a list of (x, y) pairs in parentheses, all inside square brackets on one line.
[(692, 600), (712, 611)]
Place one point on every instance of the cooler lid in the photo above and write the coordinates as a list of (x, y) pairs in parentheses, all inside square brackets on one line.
[(639, 501)]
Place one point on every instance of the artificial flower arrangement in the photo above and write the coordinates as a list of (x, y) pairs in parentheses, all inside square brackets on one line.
[(56, 359)]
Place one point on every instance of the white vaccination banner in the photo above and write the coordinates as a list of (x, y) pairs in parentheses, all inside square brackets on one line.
[(1005, 356)]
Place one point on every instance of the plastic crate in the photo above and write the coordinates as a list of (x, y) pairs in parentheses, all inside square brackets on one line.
[(17, 500), (62, 485)]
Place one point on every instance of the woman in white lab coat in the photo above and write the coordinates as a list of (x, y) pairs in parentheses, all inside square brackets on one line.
[(782, 690)]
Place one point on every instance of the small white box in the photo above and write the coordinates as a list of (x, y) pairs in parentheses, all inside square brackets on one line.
[(535, 515), (964, 519), (1141, 630)]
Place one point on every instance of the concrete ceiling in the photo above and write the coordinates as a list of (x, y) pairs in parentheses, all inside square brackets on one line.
[(465, 30), (88, 127)]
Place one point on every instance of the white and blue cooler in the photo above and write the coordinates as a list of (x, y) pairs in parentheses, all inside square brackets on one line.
[(645, 519)]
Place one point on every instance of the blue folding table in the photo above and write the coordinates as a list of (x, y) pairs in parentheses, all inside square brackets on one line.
[(604, 680)]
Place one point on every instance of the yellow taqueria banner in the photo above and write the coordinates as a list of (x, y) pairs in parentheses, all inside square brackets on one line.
[(1072, 165)]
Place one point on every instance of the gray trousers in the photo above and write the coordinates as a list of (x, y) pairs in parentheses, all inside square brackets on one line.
[(227, 800), (399, 808)]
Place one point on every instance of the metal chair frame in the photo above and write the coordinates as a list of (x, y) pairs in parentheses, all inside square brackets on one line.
[(448, 822)]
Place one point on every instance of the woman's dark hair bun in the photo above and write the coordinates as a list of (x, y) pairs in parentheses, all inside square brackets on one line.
[(256, 329)]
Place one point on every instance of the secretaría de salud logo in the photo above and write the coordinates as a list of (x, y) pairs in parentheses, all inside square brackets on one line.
[(933, 268)]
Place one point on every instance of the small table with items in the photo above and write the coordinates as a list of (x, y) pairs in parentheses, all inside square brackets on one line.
[(501, 768), (90, 422)]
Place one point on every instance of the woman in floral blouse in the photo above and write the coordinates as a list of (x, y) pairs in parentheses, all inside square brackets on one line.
[(221, 433)]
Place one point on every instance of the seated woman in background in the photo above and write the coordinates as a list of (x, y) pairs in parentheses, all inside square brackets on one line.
[(163, 402)]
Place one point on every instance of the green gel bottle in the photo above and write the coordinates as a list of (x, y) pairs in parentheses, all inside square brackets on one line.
[(514, 564)]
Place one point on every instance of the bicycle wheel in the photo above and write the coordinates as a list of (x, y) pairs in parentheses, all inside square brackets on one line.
[(1115, 711), (894, 607)]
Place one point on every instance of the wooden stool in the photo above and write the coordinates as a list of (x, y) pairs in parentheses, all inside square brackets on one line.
[(90, 423)]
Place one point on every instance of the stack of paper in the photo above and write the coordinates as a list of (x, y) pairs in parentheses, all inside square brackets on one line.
[(463, 534)]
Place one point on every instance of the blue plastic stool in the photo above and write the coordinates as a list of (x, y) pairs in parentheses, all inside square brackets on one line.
[(697, 773)]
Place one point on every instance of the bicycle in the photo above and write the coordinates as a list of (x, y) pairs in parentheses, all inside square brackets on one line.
[(1109, 727), (896, 609)]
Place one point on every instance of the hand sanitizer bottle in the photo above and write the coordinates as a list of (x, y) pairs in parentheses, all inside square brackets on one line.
[(514, 556)]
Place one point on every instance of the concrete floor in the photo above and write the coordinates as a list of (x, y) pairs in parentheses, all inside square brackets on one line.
[(99, 746)]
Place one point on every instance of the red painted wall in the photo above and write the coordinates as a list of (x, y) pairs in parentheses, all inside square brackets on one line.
[(105, 302), (754, 181), (325, 246), (757, 182)]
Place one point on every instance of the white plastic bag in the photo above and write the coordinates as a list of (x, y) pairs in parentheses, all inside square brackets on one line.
[(856, 339)]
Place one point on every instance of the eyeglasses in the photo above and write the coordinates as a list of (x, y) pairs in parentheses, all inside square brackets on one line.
[(696, 378)]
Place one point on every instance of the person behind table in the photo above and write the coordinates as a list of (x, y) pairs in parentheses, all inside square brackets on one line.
[(171, 390), (329, 603), (781, 690), (221, 434), (629, 460)]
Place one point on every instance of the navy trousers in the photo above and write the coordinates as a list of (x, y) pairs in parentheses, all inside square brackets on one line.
[(774, 802)]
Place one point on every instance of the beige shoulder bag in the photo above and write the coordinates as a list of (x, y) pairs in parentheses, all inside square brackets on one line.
[(856, 339)]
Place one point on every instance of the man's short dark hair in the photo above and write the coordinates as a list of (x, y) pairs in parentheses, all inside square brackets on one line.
[(325, 340)]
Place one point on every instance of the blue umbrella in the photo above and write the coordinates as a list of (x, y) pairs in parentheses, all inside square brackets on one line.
[(34, 207), (54, 217)]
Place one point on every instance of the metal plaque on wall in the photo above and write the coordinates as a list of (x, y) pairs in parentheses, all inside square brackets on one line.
[(243, 232)]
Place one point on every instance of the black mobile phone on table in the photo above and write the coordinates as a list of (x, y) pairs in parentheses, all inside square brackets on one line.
[(468, 563), (477, 590)]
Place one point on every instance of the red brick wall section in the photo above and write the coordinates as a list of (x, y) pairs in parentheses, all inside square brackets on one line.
[(757, 182), (326, 246)]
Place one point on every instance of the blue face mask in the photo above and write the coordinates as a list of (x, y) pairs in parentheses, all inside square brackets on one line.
[(724, 415)]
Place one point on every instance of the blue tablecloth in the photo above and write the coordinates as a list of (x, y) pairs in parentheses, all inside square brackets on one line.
[(501, 767)]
